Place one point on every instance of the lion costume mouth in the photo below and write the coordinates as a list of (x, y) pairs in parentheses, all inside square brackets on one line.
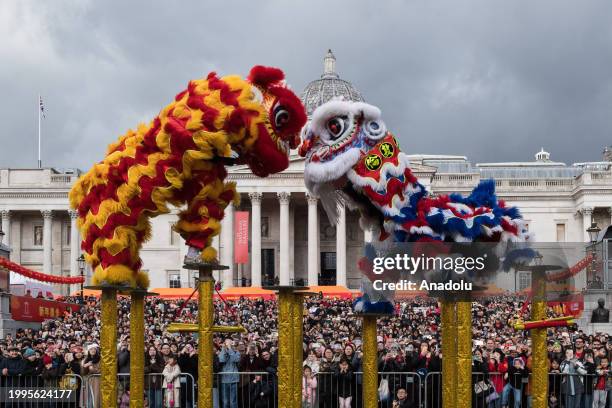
[(282, 116)]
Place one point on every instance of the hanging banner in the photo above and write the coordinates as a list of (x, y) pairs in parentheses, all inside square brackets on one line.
[(30, 309), (241, 237)]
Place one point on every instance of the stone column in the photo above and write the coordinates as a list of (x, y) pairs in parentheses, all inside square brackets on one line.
[(47, 248), (6, 227), (74, 244), (227, 250), (341, 246), (16, 238), (284, 273), (313, 241), (256, 238), (587, 218)]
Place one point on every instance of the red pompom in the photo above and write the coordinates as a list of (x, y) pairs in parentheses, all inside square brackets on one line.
[(265, 76)]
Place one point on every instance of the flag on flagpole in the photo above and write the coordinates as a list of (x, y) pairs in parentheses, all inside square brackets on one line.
[(42, 106)]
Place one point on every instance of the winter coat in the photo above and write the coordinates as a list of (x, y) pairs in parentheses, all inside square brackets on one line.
[(571, 383), (229, 360)]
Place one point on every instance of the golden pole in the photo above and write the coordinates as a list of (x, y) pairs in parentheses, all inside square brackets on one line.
[(137, 349), (449, 353), (370, 362), (464, 354), (206, 288), (297, 318), (205, 329), (108, 349), (285, 349), (539, 355)]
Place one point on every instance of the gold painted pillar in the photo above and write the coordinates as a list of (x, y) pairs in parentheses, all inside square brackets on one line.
[(370, 362), (137, 349), (539, 355), (449, 353), (108, 349), (297, 317), (206, 285), (286, 349), (464, 354)]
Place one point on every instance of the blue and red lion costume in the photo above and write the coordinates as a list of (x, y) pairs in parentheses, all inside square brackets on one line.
[(351, 156)]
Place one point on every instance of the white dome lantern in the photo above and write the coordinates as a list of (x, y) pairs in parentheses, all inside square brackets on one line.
[(542, 156)]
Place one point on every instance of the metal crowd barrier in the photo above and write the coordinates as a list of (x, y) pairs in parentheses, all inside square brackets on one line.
[(324, 389), (564, 391), (338, 391), (155, 395), (245, 389)]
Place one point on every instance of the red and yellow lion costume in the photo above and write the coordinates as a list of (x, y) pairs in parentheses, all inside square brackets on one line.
[(180, 158)]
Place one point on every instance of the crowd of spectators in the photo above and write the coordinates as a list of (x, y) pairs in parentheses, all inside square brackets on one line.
[(65, 352)]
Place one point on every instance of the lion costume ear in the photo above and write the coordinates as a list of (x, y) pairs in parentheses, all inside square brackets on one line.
[(265, 76)]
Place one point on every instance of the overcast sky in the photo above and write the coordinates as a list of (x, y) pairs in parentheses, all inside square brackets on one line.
[(492, 80)]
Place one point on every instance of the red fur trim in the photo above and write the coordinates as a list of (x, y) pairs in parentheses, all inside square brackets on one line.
[(180, 95), (296, 110), (265, 76)]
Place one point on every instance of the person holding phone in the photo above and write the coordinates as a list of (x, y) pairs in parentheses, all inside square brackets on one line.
[(229, 359)]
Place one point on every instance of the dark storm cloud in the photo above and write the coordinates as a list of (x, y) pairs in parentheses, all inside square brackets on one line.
[(490, 80)]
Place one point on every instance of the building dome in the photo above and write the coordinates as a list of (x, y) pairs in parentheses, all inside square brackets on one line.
[(329, 86)]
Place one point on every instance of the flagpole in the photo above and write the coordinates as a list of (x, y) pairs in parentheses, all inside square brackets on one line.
[(39, 160)]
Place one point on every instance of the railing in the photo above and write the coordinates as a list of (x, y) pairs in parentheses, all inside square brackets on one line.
[(494, 390), (333, 389), (456, 179), (564, 184), (245, 390), (157, 394), (61, 179), (601, 175), (327, 389)]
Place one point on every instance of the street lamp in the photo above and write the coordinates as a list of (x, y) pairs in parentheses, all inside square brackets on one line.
[(593, 231), (81, 263)]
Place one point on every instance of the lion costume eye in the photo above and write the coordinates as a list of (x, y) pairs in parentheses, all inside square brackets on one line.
[(375, 129), (336, 127), (281, 117)]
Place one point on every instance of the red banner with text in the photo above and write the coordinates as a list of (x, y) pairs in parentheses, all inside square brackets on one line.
[(29, 309), (241, 237)]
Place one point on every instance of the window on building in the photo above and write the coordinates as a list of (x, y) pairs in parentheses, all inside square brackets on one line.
[(265, 227), (174, 279), (328, 268), (38, 235), (328, 260), (193, 278), (560, 232), (524, 280), (267, 266), (67, 233), (175, 238)]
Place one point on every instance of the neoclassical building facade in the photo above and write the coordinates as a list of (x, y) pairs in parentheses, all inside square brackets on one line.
[(290, 237)]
